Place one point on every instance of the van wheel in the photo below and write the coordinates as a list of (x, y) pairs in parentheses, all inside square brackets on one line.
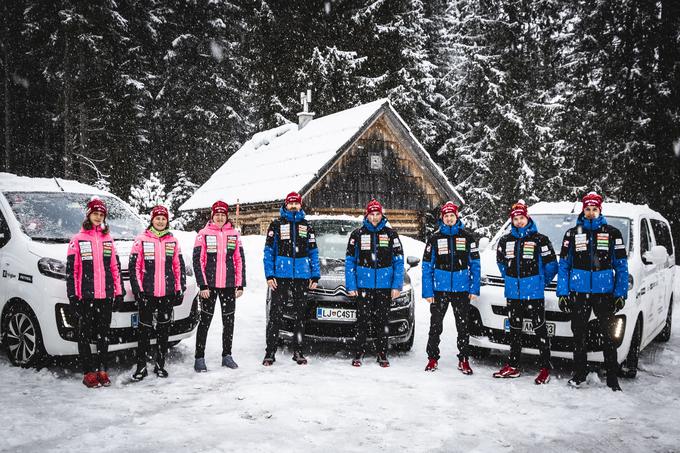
[(665, 334), (23, 337), (629, 367), (408, 344)]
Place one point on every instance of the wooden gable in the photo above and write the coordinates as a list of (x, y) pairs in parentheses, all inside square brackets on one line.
[(382, 163)]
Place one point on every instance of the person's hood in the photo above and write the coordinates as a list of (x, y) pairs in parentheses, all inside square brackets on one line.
[(372, 228), (591, 224), (527, 230), (451, 230), (292, 216)]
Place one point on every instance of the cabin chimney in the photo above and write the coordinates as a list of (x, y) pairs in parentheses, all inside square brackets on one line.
[(305, 116)]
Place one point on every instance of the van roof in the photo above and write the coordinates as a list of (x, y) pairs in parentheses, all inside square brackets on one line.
[(627, 210), (10, 182)]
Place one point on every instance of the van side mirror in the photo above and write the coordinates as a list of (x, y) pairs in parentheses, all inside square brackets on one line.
[(657, 255), (484, 243), (412, 261)]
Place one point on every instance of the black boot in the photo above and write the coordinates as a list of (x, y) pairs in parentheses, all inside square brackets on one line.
[(140, 373), (613, 382)]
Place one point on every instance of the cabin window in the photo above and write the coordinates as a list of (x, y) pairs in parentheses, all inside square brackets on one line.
[(376, 161)]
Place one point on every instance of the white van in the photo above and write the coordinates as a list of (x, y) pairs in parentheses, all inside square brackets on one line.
[(649, 308), (38, 217)]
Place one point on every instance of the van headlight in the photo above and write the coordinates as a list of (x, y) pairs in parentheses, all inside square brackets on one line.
[(52, 268), (619, 327)]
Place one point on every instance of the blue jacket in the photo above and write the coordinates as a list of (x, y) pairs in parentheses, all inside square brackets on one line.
[(374, 258), (527, 262), (593, 259), (290, 250), (451, 261)]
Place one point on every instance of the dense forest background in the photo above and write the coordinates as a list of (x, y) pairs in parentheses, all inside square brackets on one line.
[(533, 99)]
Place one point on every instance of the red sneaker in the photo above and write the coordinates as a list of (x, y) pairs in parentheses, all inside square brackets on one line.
[(103, 378), (464, 366), (90, 380), (543, 377), (431, 365), (382, 360), (507, 372)]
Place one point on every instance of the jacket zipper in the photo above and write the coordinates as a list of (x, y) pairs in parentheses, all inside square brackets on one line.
[(450, 241), (294, 233), (518, 248)]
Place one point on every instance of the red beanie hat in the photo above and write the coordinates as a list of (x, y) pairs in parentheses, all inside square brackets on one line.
[(519, 208), (592, 199), (373, 206), (95, 205), (293, 197), (160, 210), (219, 207), (448, 208)]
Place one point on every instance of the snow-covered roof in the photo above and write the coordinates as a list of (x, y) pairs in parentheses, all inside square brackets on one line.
[(277, 161), (628, 210), (10, 182)]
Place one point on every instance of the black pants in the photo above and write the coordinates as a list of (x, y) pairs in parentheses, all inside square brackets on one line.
[(147, 307), (460, 303), (531, 309), (373, 307), (603, 307), (228, 304), (94, 324), (293, 291)]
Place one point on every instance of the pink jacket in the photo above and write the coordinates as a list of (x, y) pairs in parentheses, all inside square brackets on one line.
[(217, 258), (92, 266), (156, 265)]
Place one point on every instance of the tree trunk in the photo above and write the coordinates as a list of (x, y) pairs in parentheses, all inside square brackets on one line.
[(6, 165), (69, 158)]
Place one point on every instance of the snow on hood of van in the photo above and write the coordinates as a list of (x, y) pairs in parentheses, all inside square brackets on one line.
[(628, 210), (10, 182)]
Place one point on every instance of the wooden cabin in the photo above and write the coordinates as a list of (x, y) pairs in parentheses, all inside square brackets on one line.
[(337, 163)]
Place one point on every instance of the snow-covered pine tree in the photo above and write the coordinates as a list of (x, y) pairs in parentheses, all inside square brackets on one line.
[(147, 194), (180, 192)]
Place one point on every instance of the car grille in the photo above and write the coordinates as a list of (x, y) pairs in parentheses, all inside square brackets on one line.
[(338, 291), (494, 280), (555, 316)]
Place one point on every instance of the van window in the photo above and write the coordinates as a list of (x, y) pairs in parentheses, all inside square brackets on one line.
[(4, 231), (663, 235), (57, 216), (645, 243)]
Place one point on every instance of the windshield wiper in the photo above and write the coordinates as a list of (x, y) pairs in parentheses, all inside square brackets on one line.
[(55, 240)]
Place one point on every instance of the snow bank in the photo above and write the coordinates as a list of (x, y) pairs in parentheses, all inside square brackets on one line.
[(330, 406)]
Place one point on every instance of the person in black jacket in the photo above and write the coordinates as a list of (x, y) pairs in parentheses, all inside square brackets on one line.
[(374, 274)]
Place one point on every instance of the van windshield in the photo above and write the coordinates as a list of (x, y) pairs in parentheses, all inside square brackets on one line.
[(57, 216), (555, 225)]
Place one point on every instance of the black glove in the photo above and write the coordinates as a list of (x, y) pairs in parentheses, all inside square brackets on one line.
[(564, 303), (179, 297), (118, 299), (619, 303), (139, 296)]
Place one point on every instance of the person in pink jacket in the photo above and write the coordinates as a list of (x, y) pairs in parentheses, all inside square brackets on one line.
[(219, 265), (158, 282), (93, 280)]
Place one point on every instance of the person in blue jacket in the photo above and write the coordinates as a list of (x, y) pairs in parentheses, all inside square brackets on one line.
[(451, 275), (593, 276), (527, 262), (374, 274), (291, 266)]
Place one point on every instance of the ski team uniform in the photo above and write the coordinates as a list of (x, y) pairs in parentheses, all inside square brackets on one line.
[(93, 280), (593, 271), (219, 265), (158, 279), (291, 257), (450, 273), (527, 262), (374, 266)]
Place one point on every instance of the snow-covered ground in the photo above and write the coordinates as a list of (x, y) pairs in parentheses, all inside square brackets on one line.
[(330, 406)]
